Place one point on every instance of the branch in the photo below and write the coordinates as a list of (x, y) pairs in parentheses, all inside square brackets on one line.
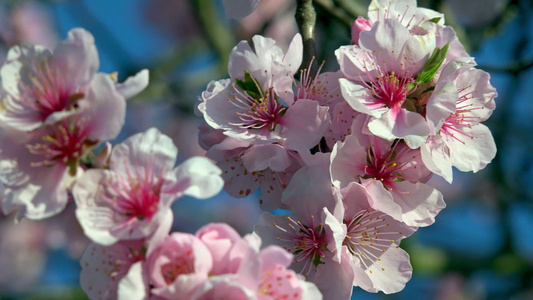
[(306, 19)]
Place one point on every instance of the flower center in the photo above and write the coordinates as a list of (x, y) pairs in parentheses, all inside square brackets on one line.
[(47, 91), (389, 90), (263, 111), (64, 142), (180, 265), (383, 166), (367, 234), (307, 243), (137, 195), (280, 283)]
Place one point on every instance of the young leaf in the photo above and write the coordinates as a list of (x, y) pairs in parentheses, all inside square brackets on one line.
[(435, 20), (250, 86), (432, 65)]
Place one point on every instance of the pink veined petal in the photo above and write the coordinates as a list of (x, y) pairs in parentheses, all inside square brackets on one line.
[(472, 154), (436, 157), (400, 123), (335, 280), (107, 109), (46, 195), (442, 103), (293, 57), (381, 199), (261, 157), (135, 284), (359, 25), (304, 124), (151, 150), (353, 62), (361, 99), (202, 175), (94, 219), (347, 158), (237, 183), (178, 266), (390, 275), (12, 74), (223, 287), (77, 56), (419, 203), (220, 239), (274, 255), (312, 185), (134, 84)]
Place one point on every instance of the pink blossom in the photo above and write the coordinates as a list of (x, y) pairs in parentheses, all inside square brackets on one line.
[(261, 107), (40, 166), (42, 87), (178, 266), (381, 72), (255, 274), (314, 234), (371, 239), (132, 199), (459, 139), (222, 242), (323, 87), (32, 23), (392, 173)]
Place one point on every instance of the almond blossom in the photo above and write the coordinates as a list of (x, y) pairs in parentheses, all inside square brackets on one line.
[(215, 263), (41, 87), (314, 234), (40, 166), (132, 199), (371, 239), (262, 120), (381, 72), (459, 139), (257, 105), (258, 274), (392, 173)]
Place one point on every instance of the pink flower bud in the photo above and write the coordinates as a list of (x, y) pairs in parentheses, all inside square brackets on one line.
[(361, 24)]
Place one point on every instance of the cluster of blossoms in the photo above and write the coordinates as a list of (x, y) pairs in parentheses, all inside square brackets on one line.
[(56, 111), (214, 263), (349, 153)]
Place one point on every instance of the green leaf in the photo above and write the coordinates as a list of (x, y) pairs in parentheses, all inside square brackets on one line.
[(432, 65), (249, 86), (435, 20), (317, 260)]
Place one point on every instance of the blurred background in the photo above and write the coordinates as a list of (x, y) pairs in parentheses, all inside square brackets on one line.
[(481, 246)]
